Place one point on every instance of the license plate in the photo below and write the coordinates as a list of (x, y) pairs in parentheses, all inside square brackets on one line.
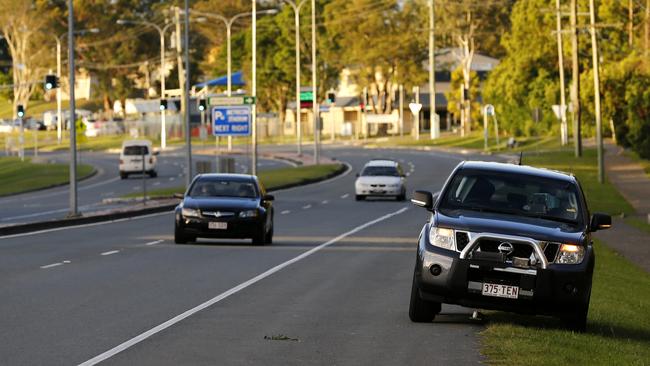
[(491, 289), (218, 225)]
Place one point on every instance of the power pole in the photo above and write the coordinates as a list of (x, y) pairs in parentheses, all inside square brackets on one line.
[(73, 122), (313, 81), (599, 127), (179, 56), (186, 97), (254, 91), (435, 122), (575, 86), (563, 128), (401, 110)]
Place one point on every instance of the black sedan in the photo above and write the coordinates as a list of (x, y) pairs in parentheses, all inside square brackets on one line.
[(228, 206)]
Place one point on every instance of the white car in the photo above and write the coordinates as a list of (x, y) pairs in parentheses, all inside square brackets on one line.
[(380, 178), (133, 151)]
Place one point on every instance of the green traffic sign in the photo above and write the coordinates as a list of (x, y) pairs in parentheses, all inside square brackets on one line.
[(249, 100), (306, 96)]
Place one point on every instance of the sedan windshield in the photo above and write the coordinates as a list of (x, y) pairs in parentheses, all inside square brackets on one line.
[(380, 171), (223, 188), (521, 195)]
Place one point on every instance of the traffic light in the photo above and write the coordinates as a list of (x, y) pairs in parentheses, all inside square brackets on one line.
[(51, 82), (331, 98), (202, 105), (163, 104), (20, 111)]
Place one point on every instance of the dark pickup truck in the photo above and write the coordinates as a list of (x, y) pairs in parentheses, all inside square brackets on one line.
[(506, 237)]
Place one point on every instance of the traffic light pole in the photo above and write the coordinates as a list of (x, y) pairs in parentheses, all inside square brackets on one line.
[(73, 126), (186, 97), (254, 90), (314, 86)]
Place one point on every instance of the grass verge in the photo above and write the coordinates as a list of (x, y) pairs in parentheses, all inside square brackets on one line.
[(272, 179), (17, 176), (618, 328)]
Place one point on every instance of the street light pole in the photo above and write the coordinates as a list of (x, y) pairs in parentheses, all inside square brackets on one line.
[(313, 81), (73, 132), (575, 84), (435, 122), (161, 33), (296, 11), (254, 91), (563, 128), (186, 87), (596, 66)]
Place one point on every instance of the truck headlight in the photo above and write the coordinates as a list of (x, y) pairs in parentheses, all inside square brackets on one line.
[(190, 212), (248, 213), (442, 237), (570, 254)]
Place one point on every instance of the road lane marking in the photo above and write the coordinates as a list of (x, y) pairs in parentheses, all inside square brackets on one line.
[(178, 318), (111, 252), (156, 184), (154, 242), (52, 265), (306, 207), (345, 195), (325, 202), (285, 212), (172, 179)]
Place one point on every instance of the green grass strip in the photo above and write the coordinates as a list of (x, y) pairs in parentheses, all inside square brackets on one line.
[(17, 177)]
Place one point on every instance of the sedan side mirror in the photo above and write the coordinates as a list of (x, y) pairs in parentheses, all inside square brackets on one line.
[(423, 199), (600, 221), (268, 197)]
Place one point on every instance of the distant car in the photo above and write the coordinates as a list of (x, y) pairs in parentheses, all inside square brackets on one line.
[(506, 237), (380, 178), (229, 206), (132, 155)]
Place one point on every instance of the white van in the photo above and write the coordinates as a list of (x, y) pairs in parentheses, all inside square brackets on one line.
[(131, 158)]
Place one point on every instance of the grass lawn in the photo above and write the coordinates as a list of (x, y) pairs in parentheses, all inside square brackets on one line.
[(271, 179), (17, 176), (618, 327)]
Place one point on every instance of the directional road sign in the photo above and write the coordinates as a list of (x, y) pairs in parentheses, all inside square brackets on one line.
[(238, 100), (231, 120)]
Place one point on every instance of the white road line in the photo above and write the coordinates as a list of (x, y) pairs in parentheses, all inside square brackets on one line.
[(136, 188), (52, 265), (156, 184), (154, 242), (306, 207), (83, 225), (325, 202), (172, 179), (345, 195), (178, 318), (111, 252), (285, 212)]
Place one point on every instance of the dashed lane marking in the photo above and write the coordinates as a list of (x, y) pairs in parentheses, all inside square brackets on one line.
[(285, 212), (52, 265), (345, 195), (306, 207), (111, 252), (154, 242)]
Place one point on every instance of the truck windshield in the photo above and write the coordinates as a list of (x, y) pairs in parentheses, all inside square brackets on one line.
[(521, 195)]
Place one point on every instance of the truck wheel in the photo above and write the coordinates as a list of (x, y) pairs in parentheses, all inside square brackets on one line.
[(421, 311), (577, 320)]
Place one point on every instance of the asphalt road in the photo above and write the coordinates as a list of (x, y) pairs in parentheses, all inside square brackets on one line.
[(106, 184), (333, 289)]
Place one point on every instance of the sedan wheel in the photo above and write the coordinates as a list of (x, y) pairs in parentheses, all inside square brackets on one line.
[(179, 236)]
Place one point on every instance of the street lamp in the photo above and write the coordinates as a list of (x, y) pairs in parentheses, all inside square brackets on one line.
[(59, 40), (228, 22), (161, 32), (296, 11)]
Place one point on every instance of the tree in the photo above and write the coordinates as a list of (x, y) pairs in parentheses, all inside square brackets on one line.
[(23, 25)]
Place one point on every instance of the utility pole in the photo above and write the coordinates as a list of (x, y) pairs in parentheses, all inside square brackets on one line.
[(560, 54), (630, 22), (575, 84), (73, 122), (647, 28), (296, 12), (186, 97), (416, 90), (313, 81), (401, 110), (179, 56), (435, 122), (254, 114), (596, 66)]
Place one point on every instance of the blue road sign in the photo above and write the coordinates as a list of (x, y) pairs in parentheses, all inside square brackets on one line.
[(232, 120)]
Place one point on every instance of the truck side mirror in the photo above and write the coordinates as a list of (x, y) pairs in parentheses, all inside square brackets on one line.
[(423, 199), (600, 221)]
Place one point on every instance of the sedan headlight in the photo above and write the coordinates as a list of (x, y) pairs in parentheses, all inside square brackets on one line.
[(248, 213), (190, 212), (570, 254), (442, 237)]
